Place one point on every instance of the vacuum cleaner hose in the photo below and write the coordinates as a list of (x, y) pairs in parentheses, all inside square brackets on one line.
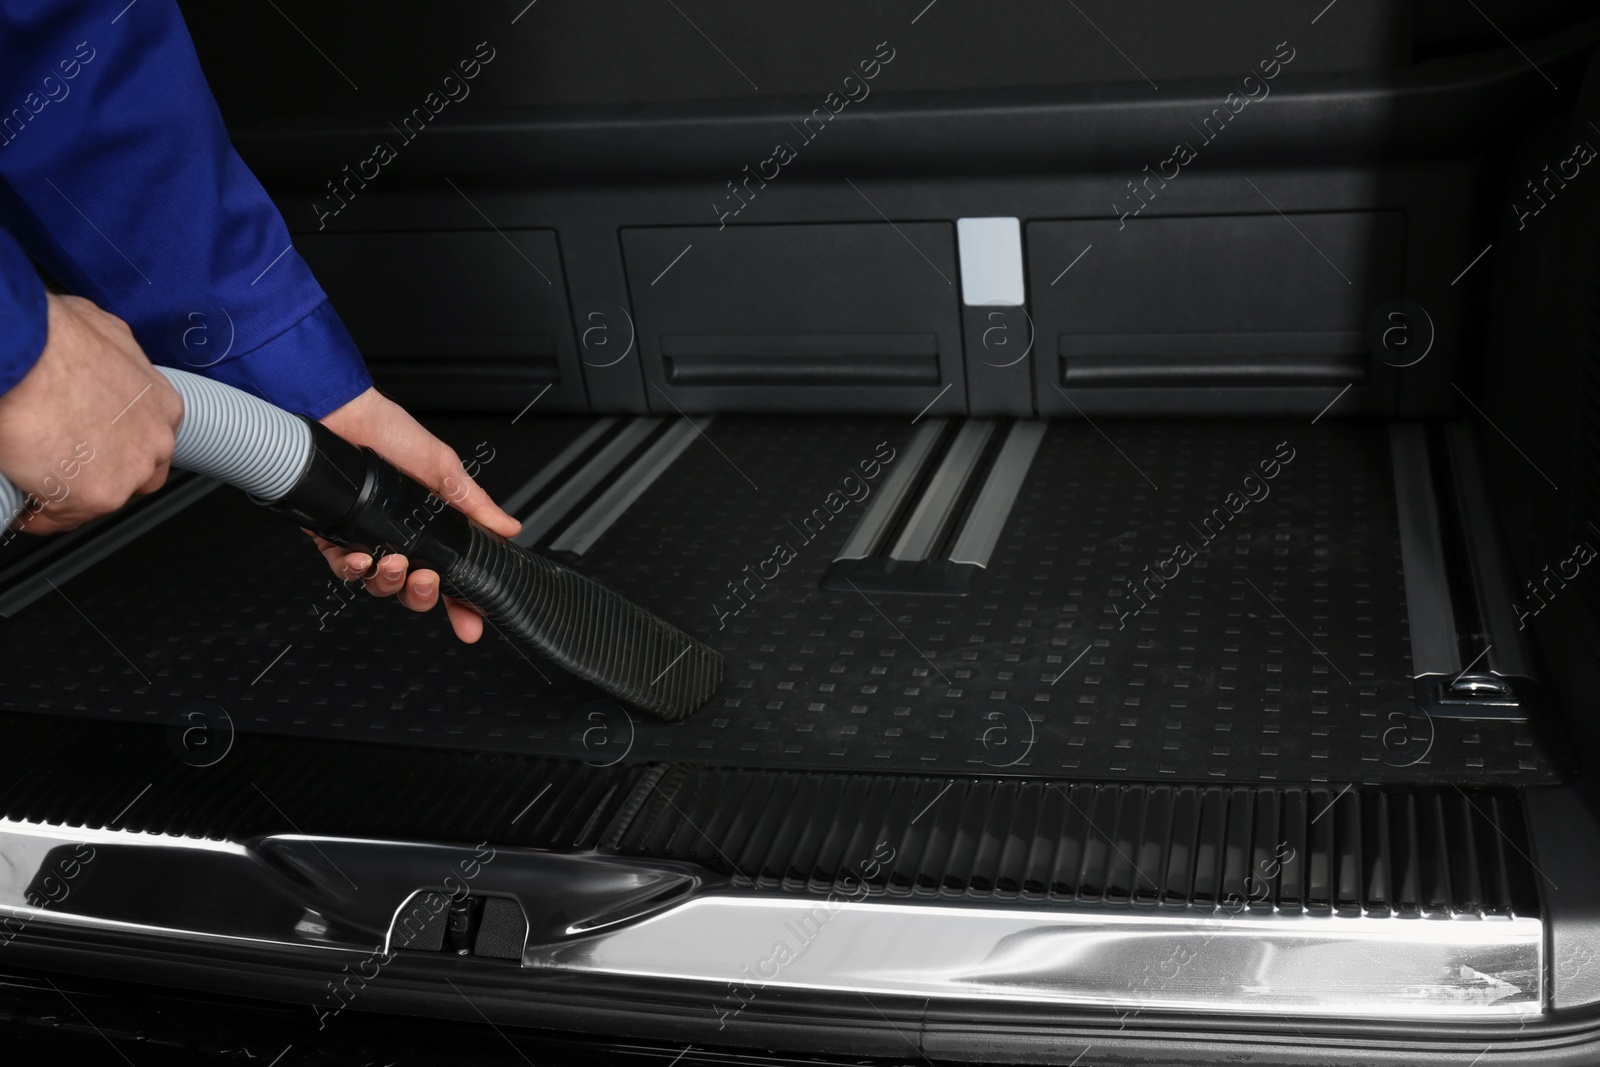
[(352, 496), (226, 434)]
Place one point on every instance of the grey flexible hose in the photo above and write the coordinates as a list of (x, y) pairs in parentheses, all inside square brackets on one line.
[(227, 434), (10, 499), (238, 438)]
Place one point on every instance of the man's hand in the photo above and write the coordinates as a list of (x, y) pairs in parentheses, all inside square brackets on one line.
[(374, 420), (91, 424)]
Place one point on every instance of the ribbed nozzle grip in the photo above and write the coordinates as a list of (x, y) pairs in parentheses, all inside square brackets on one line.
[(584, 627), (355, 497)]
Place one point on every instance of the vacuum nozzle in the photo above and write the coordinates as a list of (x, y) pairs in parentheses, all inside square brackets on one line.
[(353, 496)]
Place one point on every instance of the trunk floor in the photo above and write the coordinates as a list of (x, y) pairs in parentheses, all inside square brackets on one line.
[(228, 606)]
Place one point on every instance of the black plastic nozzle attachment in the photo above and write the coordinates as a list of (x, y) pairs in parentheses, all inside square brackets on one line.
[(353, 496)]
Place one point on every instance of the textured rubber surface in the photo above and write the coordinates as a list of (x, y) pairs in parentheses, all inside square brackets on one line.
[(1407, 851), (1210, 682), (1285, 850), (354, 496), (585, 628), (130, 776)]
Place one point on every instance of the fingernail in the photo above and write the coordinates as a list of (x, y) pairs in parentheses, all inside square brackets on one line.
[(424, 589)]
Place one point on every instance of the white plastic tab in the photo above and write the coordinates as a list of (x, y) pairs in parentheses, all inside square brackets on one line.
[(991, 262)]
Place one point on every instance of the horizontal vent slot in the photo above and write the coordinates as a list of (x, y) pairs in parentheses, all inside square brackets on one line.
[(808, 359), (1133, 360)]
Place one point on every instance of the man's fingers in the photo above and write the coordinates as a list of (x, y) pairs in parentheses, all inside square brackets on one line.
[(390, 577), (53, 518), (467, 623), (157, 478), (42, 524), (373, 420), (418, 590), (421, 590), (459, 489), (347, 564)]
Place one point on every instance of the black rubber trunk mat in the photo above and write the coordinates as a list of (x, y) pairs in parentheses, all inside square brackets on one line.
[(1279, 653), (1297, 850)]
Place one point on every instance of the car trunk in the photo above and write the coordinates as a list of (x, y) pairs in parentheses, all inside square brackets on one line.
[(1165, 632)]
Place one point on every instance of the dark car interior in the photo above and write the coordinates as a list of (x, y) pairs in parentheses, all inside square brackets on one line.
[(1140, 465)]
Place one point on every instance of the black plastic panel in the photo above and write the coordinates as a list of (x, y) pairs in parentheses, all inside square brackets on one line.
[(473, 320), (619, 52), (790, 318), (1243, 313), (1002, 348), (1457, 105), (1442, 202)]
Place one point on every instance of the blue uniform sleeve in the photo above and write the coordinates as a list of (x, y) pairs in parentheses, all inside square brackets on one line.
[(118, 177), (22, 314)]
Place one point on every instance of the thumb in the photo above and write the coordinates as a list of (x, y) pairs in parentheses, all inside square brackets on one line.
[(375, 420), (457, 488)]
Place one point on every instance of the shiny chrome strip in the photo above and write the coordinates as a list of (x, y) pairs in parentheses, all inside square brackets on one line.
[(587, 528), (102, 543), (553, 510), (555, 467), (294, 891), (1406, 968), (1433, 620), (944, 491), (140, 883), (999, 493), (1491, 579), (604, 914), (881, 511)]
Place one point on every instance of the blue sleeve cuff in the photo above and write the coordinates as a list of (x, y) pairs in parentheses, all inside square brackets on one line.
[(24, 317), (311, 369)]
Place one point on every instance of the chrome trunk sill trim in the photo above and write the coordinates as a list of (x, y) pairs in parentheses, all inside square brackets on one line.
[(599, 914), (1125, 959), (293, 891)]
